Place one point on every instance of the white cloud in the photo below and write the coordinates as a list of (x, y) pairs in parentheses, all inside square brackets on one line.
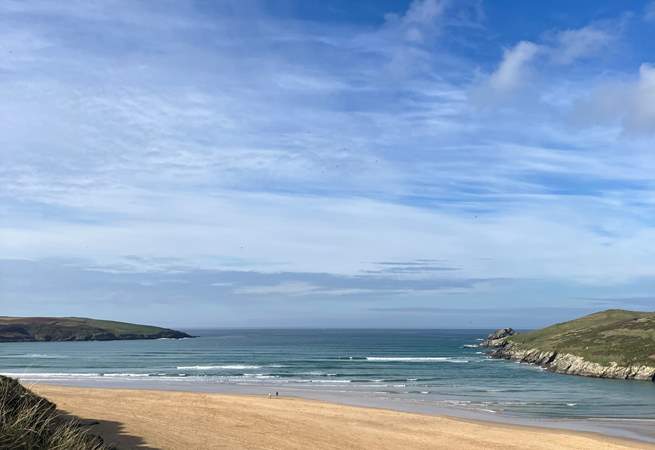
[(423, 11), (290, 288), (290, 149), (560, 48), (405, 40), (512, 71), (541, 237), (572, 45), (641, 116), (421, 15), (302, 288), (628, 105)]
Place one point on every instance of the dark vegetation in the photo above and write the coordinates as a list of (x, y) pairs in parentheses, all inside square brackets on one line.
[(27, 329), (30, 422)]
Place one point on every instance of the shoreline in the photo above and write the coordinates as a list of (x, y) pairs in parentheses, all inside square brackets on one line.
[(572, 365), (90, 403), (636, 429)]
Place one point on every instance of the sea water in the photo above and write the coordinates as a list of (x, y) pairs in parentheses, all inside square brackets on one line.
[(403, 369)]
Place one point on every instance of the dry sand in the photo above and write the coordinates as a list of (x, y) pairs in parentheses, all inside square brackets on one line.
[(184, 421)]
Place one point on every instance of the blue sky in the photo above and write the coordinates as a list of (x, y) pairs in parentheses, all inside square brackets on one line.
[(430, 163)]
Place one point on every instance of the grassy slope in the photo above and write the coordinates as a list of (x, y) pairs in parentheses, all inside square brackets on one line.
[(61, 328), (115, 327), (30, 422), (626, 337)]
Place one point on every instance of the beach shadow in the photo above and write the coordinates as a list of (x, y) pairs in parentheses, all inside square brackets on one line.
[(112, 433)]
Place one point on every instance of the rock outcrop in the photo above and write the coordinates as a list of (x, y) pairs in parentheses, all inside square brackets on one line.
[(567, 363), (614, 343), (498, 338)]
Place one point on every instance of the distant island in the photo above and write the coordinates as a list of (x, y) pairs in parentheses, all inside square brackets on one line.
[(42, 329), (609, 344)]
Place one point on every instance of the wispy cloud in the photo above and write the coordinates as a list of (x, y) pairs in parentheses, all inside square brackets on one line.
[(628, 104), (415, 267), (412, 152), (282, 289), (512, 70), (622, 302), (572, 45)]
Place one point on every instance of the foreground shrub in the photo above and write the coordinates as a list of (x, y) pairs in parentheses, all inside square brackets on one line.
[(30, 422)]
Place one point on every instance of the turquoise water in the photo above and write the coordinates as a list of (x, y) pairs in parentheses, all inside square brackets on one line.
[(423, 367)]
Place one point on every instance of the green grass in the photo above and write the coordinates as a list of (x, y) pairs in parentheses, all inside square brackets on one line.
[(624, 337), (110, 326), (76, 328), (30, 422)]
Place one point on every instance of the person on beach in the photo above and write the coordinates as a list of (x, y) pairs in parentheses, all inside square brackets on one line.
[(276, 394)]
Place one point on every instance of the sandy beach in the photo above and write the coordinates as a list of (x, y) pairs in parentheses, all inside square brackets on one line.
[(148, 419)]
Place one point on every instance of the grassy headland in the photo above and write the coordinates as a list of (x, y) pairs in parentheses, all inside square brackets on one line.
[(26, 329), (624, 337), (609, 344)]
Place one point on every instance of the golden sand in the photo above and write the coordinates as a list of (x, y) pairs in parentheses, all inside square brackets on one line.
[(184, 421)]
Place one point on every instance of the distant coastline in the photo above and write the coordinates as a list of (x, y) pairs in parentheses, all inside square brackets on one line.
[(47, 329)]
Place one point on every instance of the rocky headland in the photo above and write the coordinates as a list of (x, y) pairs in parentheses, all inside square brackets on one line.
[(610, 344)]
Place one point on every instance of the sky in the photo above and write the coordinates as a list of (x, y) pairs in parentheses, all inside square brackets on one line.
[(426, 163)]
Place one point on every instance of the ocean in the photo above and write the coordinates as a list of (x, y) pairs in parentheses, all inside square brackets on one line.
[(433, 371)]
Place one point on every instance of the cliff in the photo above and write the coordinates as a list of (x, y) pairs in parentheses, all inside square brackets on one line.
[(610, 344)]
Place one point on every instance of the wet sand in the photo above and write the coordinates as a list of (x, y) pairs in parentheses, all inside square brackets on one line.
[(148, 419)]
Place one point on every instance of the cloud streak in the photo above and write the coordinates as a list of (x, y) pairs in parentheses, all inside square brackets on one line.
[(403, 153), (586, 42), (511, 71)]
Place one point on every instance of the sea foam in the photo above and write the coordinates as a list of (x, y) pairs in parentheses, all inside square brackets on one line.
[(226, 367), (416, 359)]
